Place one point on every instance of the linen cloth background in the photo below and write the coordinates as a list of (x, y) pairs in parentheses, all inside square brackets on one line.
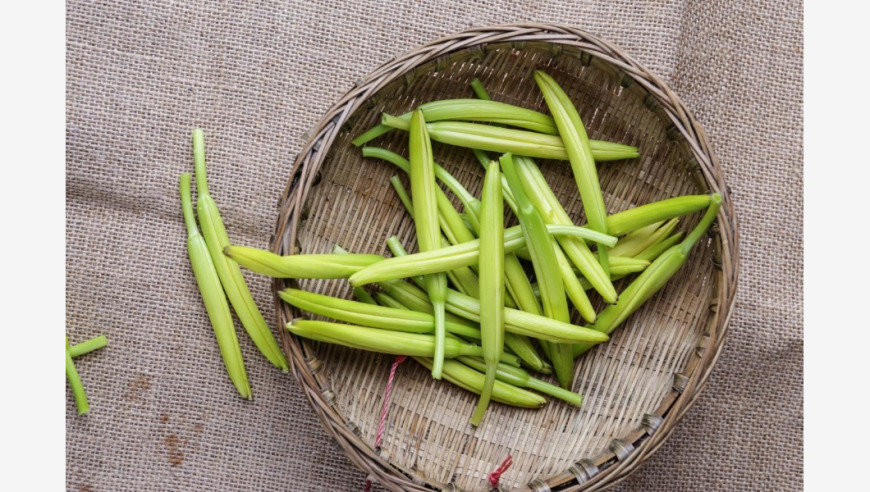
[(256, 76)]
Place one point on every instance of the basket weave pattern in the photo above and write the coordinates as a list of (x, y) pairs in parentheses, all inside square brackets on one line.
[(636, 387)]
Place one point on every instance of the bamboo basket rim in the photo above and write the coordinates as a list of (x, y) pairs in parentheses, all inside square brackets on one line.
[(626, 453)]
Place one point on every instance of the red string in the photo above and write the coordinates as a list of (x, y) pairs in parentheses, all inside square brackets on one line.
[(383, 421), (496, 475), (380, 435)]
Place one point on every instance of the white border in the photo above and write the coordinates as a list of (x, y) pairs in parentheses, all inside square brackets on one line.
[(836, 220), (32, 214)]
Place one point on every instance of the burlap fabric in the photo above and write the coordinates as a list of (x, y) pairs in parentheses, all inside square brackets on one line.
[(256, 76)]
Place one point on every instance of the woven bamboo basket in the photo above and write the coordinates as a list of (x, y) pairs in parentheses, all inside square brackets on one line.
[(636, 387)]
